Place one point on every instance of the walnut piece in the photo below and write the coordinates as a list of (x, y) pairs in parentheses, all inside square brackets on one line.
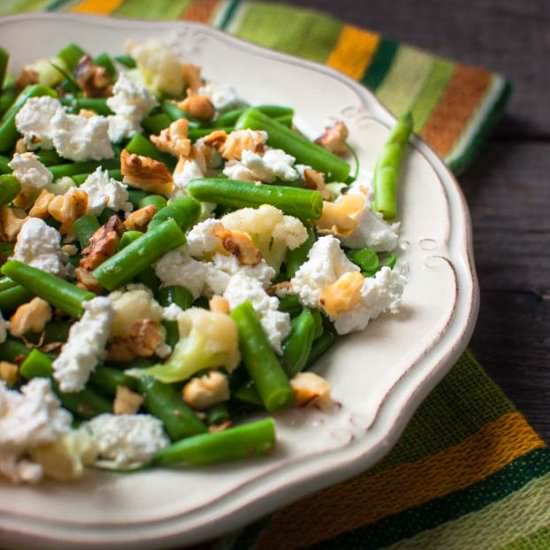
[(198, 106), (333, 139), (139, 219), (40, 207), (146, 173), (87, 280), (174, 140), (239, 244), (340, 218), (8, 372), (343, 294), (191, 76), (310, 388), (218, 304), (316, 181), (103, 244), (26, 78), (93, 79), (11, 221), (126, 401), (243, 140), (67, 208), (30, 317), (202, 392), (145, 336)]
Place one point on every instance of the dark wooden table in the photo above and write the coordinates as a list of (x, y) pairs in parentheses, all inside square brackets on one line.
[(508, 186)]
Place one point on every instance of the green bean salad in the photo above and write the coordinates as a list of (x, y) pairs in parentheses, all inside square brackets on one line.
[(173, 261)]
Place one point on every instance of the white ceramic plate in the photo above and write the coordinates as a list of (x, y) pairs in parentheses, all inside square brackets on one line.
[(379, 376)]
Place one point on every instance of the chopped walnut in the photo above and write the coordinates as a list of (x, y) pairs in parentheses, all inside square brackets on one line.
[(30, 317), (69, 249), (93, 79), (40, 207), (20, 146), (174, 140), (146, 173), (280, 289), (310, 388), (316, 180), (204, 391), (215, 139), (192, 76), (340, 218), (8, 372), (333, 139), (11, 220), (126, 401), (243, 140), (138, 220), (343, 294), (86, 113), (144, 338), (215, 428), (86, 280), (26, 78), (198, 106), (103, 244), (25, 198), (239, 244), (68, 208), (218, 304), (206, 155)]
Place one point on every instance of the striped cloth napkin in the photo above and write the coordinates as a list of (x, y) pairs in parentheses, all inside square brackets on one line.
[(469, 472)]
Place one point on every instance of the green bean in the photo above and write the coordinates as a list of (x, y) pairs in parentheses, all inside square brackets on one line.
[(56, 331), (197, 133), (248, 394), (48, 157), (9, 189), (36, 364), (229, 118), (128, 237), (302, 203), (6, 250), (285, 120), (96, 104), (105, 215), (386, 171), (104, 60), (319, 324), (180, 296), (149, 278), (8, 131), (366, 259), (297, 346), (137, 256), (246, 441), (4, 58), (185, 211), (55, 290), (71, 55), (140, 145), (290, 304), (172, 111), (217, 414), (74, 168), (135, 196), (389, 261), (107, 379), (260, 360), (13, 297), (7, 98), (158, 201), (320, 346), (5, 283), (84, 228), (156, 123), (13, 351), (166, 403), (295, 258), (126, 60), (305, 152), (4, 165)]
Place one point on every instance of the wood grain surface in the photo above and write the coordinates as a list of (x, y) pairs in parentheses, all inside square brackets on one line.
[(508, 186)]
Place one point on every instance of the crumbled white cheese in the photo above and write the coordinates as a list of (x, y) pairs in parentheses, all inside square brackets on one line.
[(130, 103), (30, 172), (105, 192), (276, 324), (61, 185), (126, 440), (85, 345), (172, 312), (201, 241), (379, 294), (190, 171), (3, 329), (222, 96), (39, 245), (28, 419), (373, 232), (33, 121), (272, 165), (80, 138), (229, 264), (325, 264)]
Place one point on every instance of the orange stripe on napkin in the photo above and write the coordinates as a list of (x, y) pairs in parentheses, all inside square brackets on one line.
[(456, 107), (200, 11), (369, 498), (353, 52), (96, 7)]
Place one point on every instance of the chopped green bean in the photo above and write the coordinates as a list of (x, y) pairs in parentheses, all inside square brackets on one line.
[(74, 168), (217, 414), (366, 259), (290, 304), (185, 211), (245, 441), (107, 379), (305, 152), (320, 346), (9, 189), (302, 203), (180, 296), (128, 237), (13, 297), (135, 196), (7, 98), (260, 360), (172, 111), (96, 104), (13, 350), (5, 283), (389, 261), (4, 165), (71, 55), (158, 201), (126, 60), (297, 346), (104, 60), (137, 256), (156, 123), (84, 227), (36, 364), (140, 145), (386, 171), (55, 290), (197, 133), (48, 157), (4, 58), (295, 258), (248, 394)]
